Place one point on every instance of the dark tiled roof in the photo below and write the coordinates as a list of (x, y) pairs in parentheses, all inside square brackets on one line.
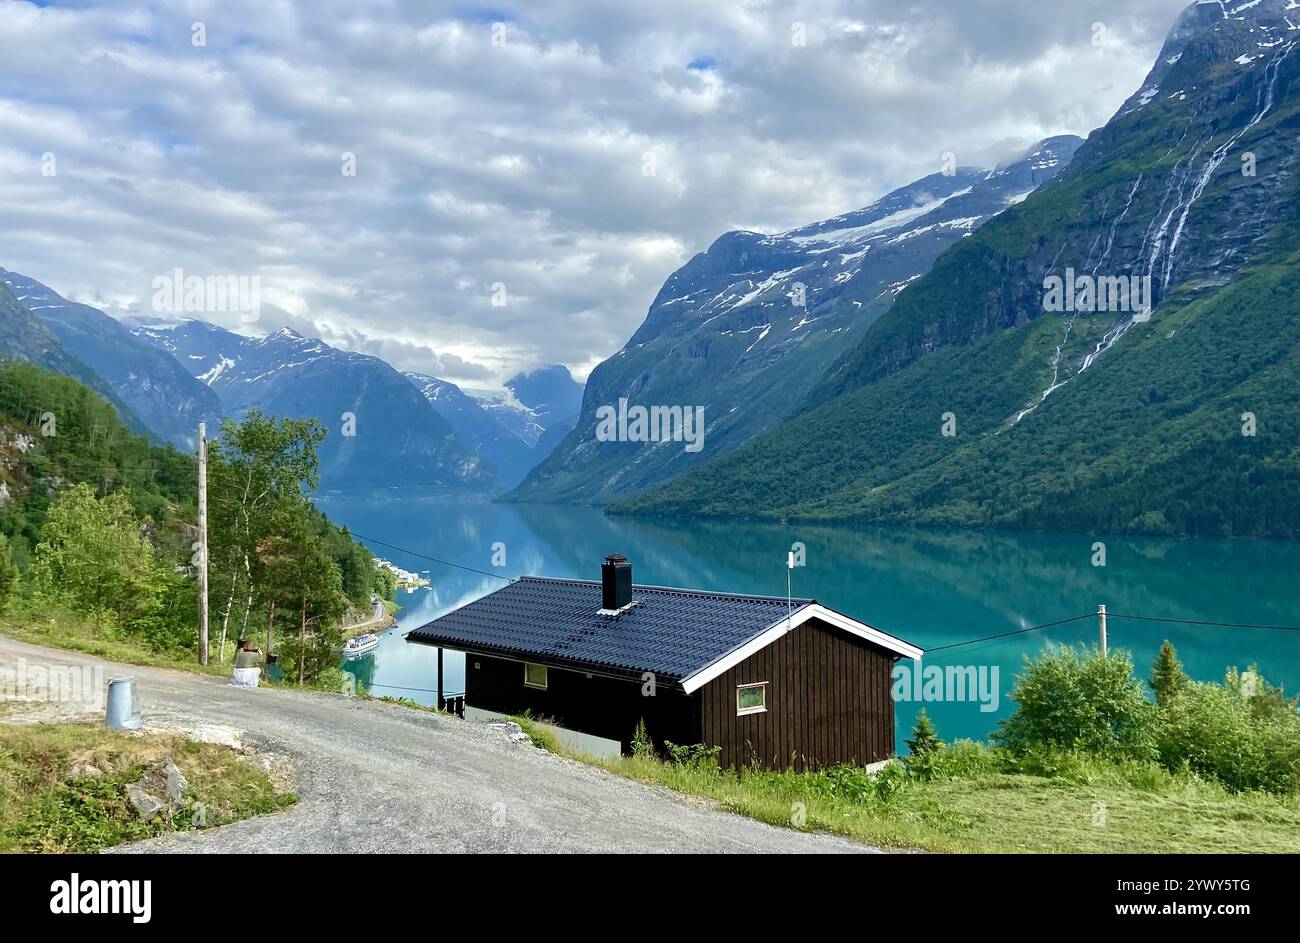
[(672, 632)]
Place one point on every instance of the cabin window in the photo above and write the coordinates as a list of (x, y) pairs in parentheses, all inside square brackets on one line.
[(751, 698), (535, 676)]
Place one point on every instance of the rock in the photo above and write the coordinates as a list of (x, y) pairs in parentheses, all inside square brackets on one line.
[(512, 730), (219, 734), (84, 769), (146, 805), (176, 782)]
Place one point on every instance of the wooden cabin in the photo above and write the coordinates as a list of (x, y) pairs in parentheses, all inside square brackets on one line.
[(784, 683)]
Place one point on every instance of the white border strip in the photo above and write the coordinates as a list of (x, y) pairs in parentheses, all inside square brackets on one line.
[(768, 636)]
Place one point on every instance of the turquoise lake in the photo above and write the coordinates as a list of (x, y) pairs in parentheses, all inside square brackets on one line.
[(928, 587)]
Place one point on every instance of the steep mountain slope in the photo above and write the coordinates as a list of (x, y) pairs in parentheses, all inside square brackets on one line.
[(477, 428), (161, 393), (539, 406), (1179, 415), (553, 400), (746, 329), (24, 337), (393, 438)]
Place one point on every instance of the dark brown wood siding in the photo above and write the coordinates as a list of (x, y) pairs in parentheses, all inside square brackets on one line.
[(597, 705), (828, 702)]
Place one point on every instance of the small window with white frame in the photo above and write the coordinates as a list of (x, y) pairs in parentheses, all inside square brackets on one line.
[(751, 698), (534, 676)]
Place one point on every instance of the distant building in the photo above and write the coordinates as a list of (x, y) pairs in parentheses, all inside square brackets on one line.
[(797, 687)]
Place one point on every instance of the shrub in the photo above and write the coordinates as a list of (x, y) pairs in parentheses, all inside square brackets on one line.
[(851, 783), (1087, 702), (693, 755), (1246, 735), (963, 759), (642, 744)]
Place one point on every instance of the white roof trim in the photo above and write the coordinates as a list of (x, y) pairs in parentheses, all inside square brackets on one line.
[(768, 636)]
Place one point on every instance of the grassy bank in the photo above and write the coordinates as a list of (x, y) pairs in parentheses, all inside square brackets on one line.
[(45, 808), (1084, 805), (59, 630)]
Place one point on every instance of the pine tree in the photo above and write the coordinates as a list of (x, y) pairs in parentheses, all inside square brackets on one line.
[(925, 738), (1167, 675)]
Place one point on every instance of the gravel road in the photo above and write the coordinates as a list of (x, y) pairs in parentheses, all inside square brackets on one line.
[(376, 777)]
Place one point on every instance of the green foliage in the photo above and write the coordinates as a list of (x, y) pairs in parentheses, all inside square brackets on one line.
[(924, 747), (1167, 675), (93, 558), (105, 522), (642, 744), (8, 573), (692, 756), (1243, 732), (295, 571), (45, 809), (1074, 710), (925, 738), (1086, 702), (274, 552), (72, 435), (963, 759)]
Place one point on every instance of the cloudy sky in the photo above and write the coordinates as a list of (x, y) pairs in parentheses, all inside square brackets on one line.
[(560, 156)]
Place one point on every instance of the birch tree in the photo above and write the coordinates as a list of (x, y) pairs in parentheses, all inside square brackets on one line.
[(254, 467)]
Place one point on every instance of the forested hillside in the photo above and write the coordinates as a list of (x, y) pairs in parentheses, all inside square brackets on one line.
[(98, 524)]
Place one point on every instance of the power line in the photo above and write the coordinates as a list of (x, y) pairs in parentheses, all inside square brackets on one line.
[(1219, 625), (403, 687), (990, 638), (424, 556)]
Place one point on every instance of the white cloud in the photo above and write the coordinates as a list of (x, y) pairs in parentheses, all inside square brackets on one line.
[(519, 164)]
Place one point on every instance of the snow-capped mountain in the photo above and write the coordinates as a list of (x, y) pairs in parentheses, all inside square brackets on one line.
[(510, 454), (157, 391), (513, 428), (746, 328), (381, 431), (1178, 413)]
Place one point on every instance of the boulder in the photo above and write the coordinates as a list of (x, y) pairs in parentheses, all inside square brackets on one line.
[(176, 782), (146, 804)]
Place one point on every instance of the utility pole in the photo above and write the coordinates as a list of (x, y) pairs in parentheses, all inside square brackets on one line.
[(1101, 618), (203, 543)]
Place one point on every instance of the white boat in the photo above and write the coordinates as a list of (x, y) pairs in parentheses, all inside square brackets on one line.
[(356, 647)]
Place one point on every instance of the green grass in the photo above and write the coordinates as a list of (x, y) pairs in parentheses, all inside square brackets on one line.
[(541, 736), (44, 809), (1091, 807), (59, 630), (56, 629)]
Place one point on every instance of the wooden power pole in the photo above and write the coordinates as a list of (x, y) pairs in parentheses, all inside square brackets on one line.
[(203, 543), (1101, 619)]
